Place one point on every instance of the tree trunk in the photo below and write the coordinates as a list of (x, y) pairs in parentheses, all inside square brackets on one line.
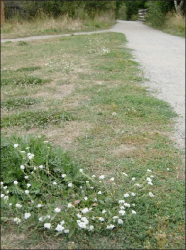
[(2, 13), (179, 6)]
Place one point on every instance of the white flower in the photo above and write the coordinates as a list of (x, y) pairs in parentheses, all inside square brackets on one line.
[(66, 231), (26, 192), (120, 221), (22, 152), (112, 179), (5, 187), (125, 174), (126, 205), (126, 195), (35, 168), (152, 176), (114, 114), (93, 176), (133, 179), (168, 169), (87, 181), (57, 210), (26, 177), (70, 185), (95, 199), (41, 218), (16, 145), (85, 210), (59, 228), (47, 225), (27, 147), (41, 167), (39, 205), (149, 170), (133, 205), (54, 183), (91, 228), (101, 219), (103, 211), (99, 192), (1, 183), (81, 170), (115, 218), (30, 156), (18, 205), (122, 212), (7, 192), (28, 185), (110, 226), (91, 187), (137, 184), (79, 216), (22, 167), (150, 183), (102, 177), (70, 205), (6, 197), (149, 179), (10, 204), (63, 175), (134, 212), (85, 198), (133, 194), (122, 207), (81, 224), (121, 201), (62, 222), (151, 194), (17, 220), (27, 215), (84, 219)]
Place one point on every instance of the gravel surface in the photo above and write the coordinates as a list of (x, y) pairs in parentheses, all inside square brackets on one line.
[(162, 59)]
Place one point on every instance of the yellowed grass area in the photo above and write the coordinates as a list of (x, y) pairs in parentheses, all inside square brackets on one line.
[(46, 25), (175, 23)]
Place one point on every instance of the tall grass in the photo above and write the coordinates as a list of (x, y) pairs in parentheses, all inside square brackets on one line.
[(175, 24), (44, 24)]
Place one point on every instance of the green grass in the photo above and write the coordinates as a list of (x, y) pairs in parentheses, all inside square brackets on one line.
[(96, 108)]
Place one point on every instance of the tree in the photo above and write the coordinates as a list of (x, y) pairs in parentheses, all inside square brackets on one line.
[(178, 6), (2, 13)]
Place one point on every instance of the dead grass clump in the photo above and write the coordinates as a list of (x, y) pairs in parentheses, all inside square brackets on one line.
[(67, 135), (175, 22)]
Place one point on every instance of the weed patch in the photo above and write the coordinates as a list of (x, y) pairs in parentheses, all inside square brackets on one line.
[(28, 69), (15, 103), (27, 80), (39, 118)]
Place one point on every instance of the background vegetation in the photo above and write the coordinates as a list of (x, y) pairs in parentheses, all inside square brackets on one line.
[(89, 15)]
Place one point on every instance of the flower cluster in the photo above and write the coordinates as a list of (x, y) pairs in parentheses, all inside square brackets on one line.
[(85, 212)]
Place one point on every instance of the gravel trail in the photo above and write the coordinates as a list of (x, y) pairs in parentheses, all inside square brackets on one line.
[(162, 59)]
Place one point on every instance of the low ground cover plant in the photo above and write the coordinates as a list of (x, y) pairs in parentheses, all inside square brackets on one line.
[(43, 188)]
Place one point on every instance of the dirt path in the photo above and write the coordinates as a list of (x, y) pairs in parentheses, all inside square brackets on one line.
[(162, 58)]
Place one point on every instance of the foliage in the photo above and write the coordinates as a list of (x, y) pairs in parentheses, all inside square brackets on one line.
[(155, 16), (133, 7), (44, 189), (30, 9)]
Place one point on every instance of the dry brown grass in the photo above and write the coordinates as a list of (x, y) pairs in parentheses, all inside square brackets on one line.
[(175, 24)]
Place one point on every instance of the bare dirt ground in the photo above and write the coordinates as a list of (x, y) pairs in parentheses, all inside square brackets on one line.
[(162, 60)]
